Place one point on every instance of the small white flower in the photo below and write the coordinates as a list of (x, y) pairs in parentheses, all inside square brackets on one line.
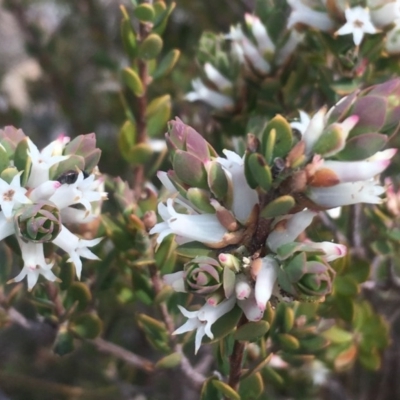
[(34, 264), (286, 229), (305, 15), (176, 280), (303, 123), (76, 248), (204, 228), (244, 197), (384, 13), (203, 319), (209, 96), (217, 78), (250, 308), (346, 194), (358, 23), (265, 282), (6, 227), (42, 162), (11, 195), (259, 31)]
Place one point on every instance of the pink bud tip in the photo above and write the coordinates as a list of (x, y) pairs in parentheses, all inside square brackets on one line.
[(56, 184), (261, 306), (222, 257), (211, 302)]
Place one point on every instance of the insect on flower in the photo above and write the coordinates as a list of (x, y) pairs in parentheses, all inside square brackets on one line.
[(69, 177)]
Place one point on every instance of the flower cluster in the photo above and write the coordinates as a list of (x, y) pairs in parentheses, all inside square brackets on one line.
[(377, 16), (40, 191), (250, 211), (245, 53)]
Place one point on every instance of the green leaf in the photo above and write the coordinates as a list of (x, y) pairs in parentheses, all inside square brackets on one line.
[(166, 64), (87, 326), (251, 331), (288, 342), (251, 387), (260, 171), (144, 12), (64, 343), (128, 38), (362, 147), (194, 249), (150, 47), (165, 256), (22, 161), (280, 206), (132, 80), (170, 361), (78, 292), (157, 115), (370, 360), (4, 160), (345, 286), (140, 154), (155, 332), (338, 335), (127, 138), (283, 138), (226, 390), (209, 391), (162, 15)]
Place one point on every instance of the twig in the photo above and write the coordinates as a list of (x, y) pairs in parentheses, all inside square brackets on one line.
[(236, 359), (195, 378), (123, 354)]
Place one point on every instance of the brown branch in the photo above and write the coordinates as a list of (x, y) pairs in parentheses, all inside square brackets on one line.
[(123, 354), (236, 359)]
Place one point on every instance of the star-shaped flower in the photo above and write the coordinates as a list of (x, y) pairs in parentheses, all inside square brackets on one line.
[(358, 23), (12, 194)]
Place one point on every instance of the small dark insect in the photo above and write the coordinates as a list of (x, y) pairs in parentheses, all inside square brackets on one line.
[(70, 177)]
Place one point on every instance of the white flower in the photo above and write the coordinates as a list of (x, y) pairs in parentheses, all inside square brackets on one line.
[(209, 96), (34, 264), (204, 228), (250, 308), (217, 78), (42, 161), (384, 13), (347, 193), (11, 195), (44, 191), (331, 250), (307, 16), (358, 23), (6, 227), (82, 191), (176, 280), (286, 229), (265, 281), (303, 123), (247, 51), (244, 197), (203, 319), (243, 287), (288, 48), (259, 31), (76, 248)]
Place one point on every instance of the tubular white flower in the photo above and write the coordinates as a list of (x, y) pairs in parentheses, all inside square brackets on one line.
[(204, 228), (358, 23), (314, 129), (265, 282), (209, 96), (217, 78), (243, 288), (6, 227), (244, 197), (385, 14), (259, 31), (332, 250), (353, 171), (82, 191), (44, 191), (250, 308), (42, 162), (347, 193), (164, 179), (288, 228), (250, 52), (176, 280), (303, 123), (76, 248), (307, 16), (34, 264), (70, 215), (203, 319), (288, 48), (11, 195)]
